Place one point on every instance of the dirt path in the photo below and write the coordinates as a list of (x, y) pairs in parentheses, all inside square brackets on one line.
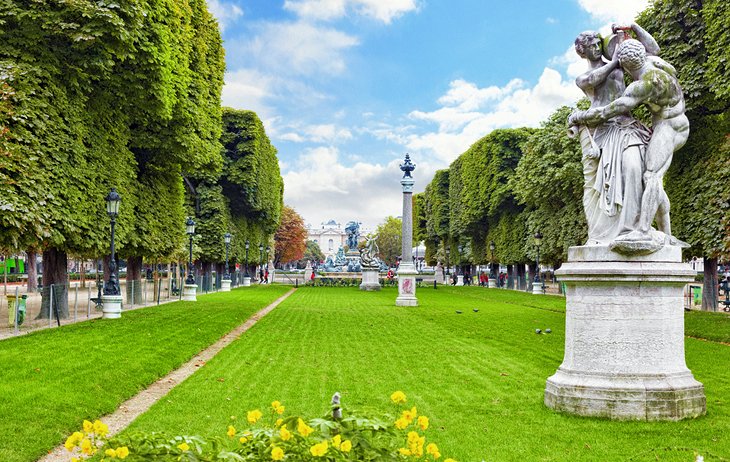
[(135, 406)]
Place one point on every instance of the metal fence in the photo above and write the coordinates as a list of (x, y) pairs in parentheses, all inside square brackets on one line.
[(59, 304)]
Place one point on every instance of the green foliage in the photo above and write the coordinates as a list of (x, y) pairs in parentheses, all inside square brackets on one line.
[(389, 239), (97, 95), (251, 179), (693, 38), (549, 182), (312, 252)]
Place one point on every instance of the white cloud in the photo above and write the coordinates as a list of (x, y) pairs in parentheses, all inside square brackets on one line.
[(323, 133), (297, 48), (615, 10), (328, 10), (469, 113), (225, 12)]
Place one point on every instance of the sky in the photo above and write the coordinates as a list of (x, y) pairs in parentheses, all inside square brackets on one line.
[(345, 88)]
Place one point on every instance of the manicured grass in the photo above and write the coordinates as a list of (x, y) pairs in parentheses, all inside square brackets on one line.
[(479, 376), (710, 326), (53, 379)]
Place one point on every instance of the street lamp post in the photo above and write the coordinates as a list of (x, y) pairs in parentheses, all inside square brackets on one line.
[(112, 297), (246, 276), (537, 283), (190, 288), (460, 268), (226, 281), (261, 263), (493, 274), (268, 249)]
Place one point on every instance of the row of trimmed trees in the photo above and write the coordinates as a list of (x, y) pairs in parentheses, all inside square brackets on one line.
[(97, 95), (514, 182)]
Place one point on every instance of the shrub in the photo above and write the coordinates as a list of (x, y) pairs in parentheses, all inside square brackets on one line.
[(275, 437)]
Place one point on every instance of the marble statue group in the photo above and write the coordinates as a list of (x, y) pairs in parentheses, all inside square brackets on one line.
[(624, 161)]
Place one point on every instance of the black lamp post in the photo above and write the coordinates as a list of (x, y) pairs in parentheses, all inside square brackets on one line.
[(227, 240), (448, 264), (246, 246), (261, 258), (492, 273), (538, 243), (190, 230), (113, 199), (461, 263), (268, 249)]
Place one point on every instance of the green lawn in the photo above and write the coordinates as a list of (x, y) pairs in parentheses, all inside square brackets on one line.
[(53, 379), (479, 376)]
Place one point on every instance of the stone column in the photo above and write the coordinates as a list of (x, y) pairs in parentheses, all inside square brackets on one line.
[(406, 270), (624, 337)]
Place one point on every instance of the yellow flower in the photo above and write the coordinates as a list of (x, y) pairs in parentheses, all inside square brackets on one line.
[(277, 453), (100, 428), (280, 410), (398, 397), (336, 441), (246, 436), (88, 426), (404, 451), (183, 447), (285, 434), (253, 416), (401, 423), (275, 404), (449, 460), (423, 422), (231, 431), (86, 446), (122, 452), (303, 428), (111, 453), (279, 422), (432, 448), (436, 455), (75, 459), (346, 446), (70, 444), (319, 449)]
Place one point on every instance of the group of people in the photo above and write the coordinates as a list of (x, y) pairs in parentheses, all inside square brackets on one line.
[(263, 275)]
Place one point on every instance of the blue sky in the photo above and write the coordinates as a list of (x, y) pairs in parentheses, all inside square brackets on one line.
[(346, 87)]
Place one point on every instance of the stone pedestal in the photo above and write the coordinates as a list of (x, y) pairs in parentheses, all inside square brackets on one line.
[(190, 292), (225, 285), (624, 338), (439, 274), (537, 287), (406, 285), (111, 306), (370, 280), (308, 272), (460, 280), (246, 281), (492, 283)]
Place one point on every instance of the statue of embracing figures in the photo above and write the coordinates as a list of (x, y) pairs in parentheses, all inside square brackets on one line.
[(624, 162)]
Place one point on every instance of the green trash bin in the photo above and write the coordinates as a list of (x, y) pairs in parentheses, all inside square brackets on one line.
[(696, 295), (16, 305)]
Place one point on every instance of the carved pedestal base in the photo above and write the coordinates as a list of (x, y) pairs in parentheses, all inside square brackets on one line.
[(624, 338), (111, 306), (370, 280), (406, 285), (225, 285), (190, 292), (460, 280), (492, 283), (246, 281), (537, 288)]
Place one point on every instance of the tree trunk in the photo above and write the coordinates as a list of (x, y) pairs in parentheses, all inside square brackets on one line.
[(510, 276), (207, 276), (55, 274), (134, 280), (520, 276), (32, 269), (532, 268), (710, 289)]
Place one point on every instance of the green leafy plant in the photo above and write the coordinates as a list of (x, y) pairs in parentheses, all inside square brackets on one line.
[(275, 437)]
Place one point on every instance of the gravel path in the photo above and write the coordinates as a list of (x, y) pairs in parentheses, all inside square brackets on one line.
[(135, 406)]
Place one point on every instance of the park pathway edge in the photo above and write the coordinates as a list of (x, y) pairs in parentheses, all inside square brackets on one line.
[(138, 404)]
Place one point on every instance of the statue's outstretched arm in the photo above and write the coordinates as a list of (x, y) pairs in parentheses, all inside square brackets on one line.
[(652, 47), (593, 78), (635, 94)]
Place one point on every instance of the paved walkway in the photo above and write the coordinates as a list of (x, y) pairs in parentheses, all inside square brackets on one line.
[(135, 406)]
